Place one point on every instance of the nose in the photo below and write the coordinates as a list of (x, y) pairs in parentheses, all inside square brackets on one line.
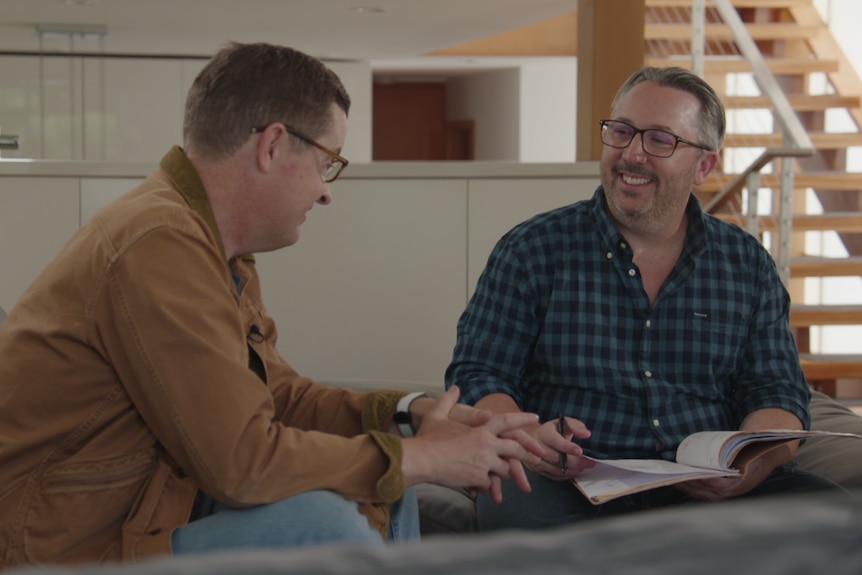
[(635, 150)]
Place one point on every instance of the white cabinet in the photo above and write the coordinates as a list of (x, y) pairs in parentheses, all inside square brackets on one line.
[(92, 108), (376, 282), (99, 192), (121, 109), (22, 99), (37, 216), (497, 205), (133, 108)]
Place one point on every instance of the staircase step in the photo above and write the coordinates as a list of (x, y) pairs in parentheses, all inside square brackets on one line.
[(737, 3), (820, 140), (739, 65), (799, 102), (821, 181), (832, 221), (810, 266), (808, 315), (720, 32), (829, 367)]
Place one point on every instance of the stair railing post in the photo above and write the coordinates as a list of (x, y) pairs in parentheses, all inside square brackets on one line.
[(698, 36), (752, 219), (785, 221)]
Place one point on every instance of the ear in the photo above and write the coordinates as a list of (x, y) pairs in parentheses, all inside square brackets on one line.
[(705, 165), (269, 145)]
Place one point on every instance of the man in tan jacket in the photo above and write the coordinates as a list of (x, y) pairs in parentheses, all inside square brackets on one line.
[(144, 408)]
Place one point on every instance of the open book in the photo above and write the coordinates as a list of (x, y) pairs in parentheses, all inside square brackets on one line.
[(700, 455)]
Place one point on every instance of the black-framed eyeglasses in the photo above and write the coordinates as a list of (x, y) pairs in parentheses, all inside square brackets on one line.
[(333, 168), (658, 143)]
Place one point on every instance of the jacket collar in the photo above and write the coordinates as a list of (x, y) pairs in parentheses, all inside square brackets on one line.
[(188, 183), (176, 165)]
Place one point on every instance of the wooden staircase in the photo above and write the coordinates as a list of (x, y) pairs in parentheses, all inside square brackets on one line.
[(816, 76)]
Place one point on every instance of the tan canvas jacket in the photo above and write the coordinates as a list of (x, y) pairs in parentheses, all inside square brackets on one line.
[(140, 367)]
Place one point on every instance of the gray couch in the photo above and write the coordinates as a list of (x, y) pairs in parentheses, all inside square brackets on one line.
[(771, 536)]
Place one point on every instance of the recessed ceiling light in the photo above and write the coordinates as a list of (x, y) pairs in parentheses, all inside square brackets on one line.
[(367, 9), (81, 2)]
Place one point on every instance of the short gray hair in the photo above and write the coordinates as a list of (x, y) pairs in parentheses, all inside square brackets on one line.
[(712, 118)]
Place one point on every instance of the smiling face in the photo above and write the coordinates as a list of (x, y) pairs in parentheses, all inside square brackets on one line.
[(646, 194)]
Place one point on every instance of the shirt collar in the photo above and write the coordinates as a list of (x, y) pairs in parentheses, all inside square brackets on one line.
[(696, 236)]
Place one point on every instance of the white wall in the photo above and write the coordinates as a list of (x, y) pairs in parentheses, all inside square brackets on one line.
[(357, 78), (549, 90), (523, 113), (493, 100), (843, 17)]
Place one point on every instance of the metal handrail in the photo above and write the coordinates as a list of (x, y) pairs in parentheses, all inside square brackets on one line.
[(736, 185), (797, 141)]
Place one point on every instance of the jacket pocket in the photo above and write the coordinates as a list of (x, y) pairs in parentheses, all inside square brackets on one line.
[(79, 508)]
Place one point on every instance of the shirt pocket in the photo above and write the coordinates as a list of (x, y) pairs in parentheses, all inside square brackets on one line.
[(715, 344)]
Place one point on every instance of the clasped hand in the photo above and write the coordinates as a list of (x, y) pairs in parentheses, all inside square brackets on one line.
[(461, 446)]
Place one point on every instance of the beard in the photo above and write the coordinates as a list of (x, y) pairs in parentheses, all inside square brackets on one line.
[(646, 212)]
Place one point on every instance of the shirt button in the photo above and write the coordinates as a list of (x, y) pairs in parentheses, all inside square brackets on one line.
[(648, 373), (656, 423), (648, 323), (632, 273), (610, 255), (623, 245)]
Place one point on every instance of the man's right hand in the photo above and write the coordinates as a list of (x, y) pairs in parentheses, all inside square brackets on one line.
[(460, 446), (555, 444), (547, 435)]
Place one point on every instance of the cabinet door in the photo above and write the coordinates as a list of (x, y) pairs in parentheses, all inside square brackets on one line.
[(38, 216), (96, 193), (20, 111), (133, 108)]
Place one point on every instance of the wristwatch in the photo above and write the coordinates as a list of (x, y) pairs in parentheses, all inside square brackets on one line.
[(403, 419)]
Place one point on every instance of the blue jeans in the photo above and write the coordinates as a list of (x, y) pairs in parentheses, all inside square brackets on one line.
[(554, 503), (310, 518)]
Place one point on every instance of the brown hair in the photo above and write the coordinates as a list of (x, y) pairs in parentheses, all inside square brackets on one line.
[(249, 85)]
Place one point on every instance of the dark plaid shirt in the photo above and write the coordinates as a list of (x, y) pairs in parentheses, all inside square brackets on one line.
[(560, 322)]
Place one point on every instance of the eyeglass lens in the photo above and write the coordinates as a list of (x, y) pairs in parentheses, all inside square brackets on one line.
[(655, 142)]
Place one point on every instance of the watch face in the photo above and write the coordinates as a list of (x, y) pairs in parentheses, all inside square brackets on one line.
[(403, 417)]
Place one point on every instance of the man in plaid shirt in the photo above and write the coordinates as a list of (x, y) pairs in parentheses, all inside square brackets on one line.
[(638, 317)]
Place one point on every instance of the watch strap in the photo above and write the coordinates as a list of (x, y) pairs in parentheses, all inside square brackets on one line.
[(403, 419)]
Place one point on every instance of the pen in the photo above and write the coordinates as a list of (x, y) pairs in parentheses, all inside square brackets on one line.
[(562, 429)]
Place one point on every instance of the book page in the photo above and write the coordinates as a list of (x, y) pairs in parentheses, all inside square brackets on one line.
[(610, 479), (701, 455), (719, 449), (704, 449)]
